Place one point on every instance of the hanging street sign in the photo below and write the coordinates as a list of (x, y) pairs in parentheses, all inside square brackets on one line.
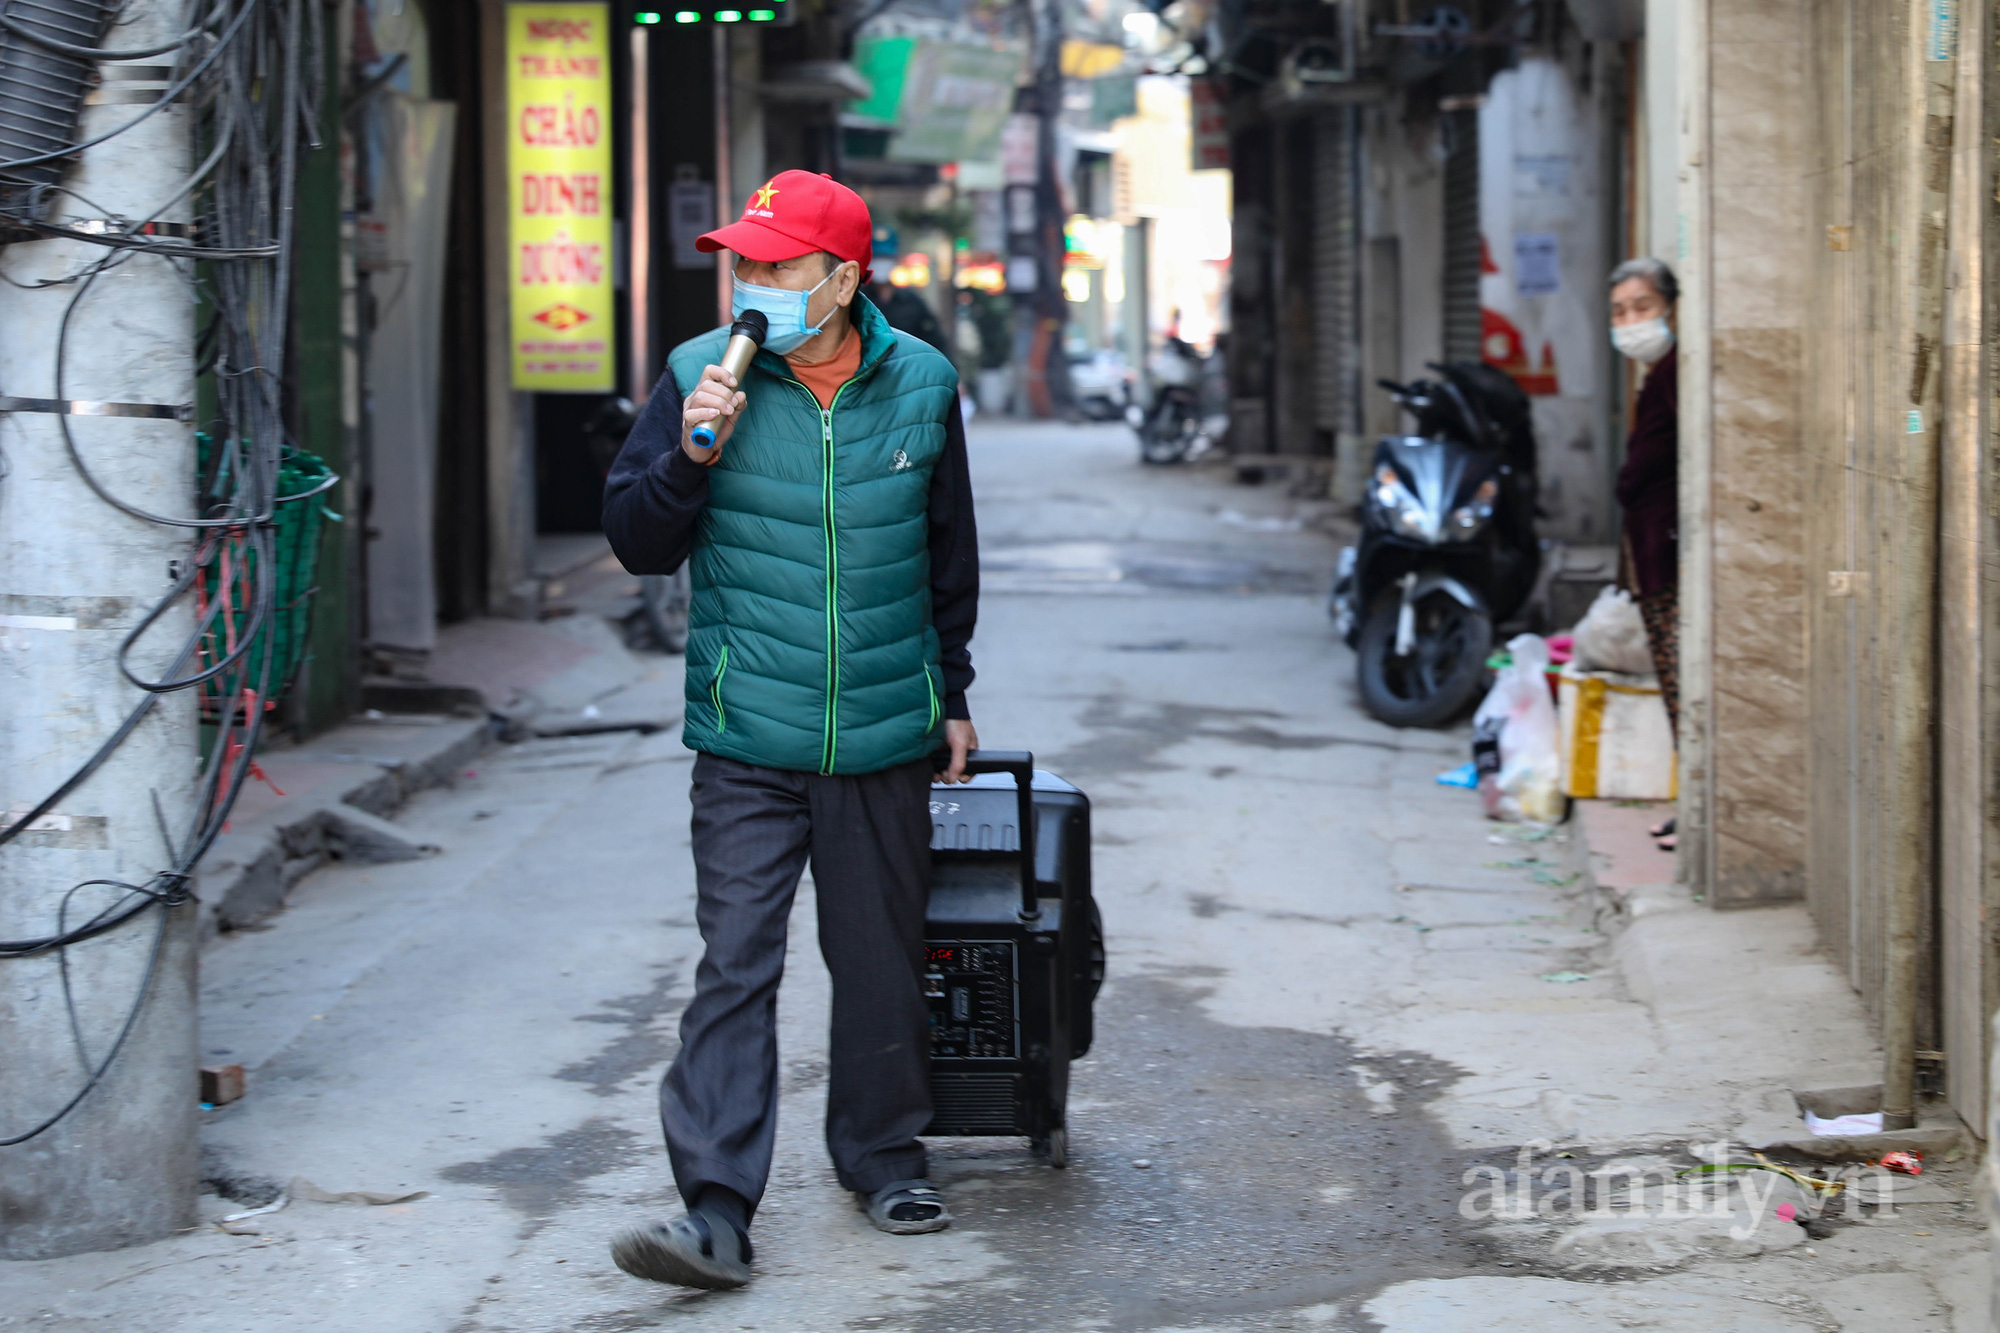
[(947, 101), (562, 315), (1209, 134)]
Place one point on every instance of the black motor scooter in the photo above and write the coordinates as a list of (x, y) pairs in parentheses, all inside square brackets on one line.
[(1171, 426), (1448, 548)]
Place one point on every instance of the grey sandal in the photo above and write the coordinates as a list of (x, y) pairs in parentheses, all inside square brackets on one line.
[(682, 1252), (906, 1208)]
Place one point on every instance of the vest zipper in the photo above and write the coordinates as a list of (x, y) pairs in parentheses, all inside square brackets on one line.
[(715, 691), (831, 733)]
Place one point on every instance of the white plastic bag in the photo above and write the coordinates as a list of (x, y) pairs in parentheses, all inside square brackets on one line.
[(1530, 778), (1612, 636)]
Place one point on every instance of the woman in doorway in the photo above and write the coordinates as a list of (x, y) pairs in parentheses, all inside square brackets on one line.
[(1643, 295)]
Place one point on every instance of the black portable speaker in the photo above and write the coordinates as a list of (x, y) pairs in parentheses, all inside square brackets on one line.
[(1014, 948)]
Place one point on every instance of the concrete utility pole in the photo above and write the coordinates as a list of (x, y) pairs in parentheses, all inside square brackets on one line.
[(75, 576), (1039, 315)]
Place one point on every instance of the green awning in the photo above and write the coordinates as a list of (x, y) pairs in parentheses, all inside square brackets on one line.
[(947, 100)]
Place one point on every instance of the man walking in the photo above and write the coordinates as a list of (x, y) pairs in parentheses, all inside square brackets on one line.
[(836, 581)]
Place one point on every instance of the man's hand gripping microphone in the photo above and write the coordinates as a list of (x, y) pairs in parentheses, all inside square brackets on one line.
[(746, 335)]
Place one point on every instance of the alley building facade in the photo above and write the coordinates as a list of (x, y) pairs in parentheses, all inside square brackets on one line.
[(1836, 194), (1456, 185), (1411, 190)]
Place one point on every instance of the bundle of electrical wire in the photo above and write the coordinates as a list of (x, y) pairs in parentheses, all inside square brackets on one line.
[(250, 72)]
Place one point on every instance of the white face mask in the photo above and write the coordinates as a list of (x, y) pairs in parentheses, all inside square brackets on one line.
[(1645, 342)]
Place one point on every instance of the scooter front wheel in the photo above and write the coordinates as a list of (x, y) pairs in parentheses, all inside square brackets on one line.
[(1440, 677), (1167, 435)]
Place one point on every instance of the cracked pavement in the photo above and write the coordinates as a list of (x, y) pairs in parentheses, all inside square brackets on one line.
[(1330, 1002)]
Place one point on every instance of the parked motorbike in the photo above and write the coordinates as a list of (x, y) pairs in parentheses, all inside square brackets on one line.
[(1100, 385), (1447, 549), (1170, 426)]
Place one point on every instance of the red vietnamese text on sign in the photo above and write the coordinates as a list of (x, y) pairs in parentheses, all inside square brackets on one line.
[(560, 194), (559, 30), (1209, 131), (547, 125), (561, 261), (559, 67)]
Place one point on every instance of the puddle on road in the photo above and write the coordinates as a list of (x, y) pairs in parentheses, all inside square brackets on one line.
[(1127, 738), (1132, 568), (646, 1046), (1170, 646), (541, 1181), (1273, 1181)]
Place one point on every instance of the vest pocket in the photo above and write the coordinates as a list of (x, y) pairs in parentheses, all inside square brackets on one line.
[(715, 691)]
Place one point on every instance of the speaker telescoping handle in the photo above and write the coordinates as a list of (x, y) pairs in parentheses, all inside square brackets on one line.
[(1020, 765)]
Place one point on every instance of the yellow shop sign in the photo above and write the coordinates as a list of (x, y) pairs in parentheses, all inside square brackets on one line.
[(562, 319)]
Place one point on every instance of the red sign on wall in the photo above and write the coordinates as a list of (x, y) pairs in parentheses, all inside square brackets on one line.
[(1209, 125)]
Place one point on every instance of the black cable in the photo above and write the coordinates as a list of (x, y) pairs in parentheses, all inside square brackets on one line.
[(97, 1074), (253, 103), (90, 765), (166, 98), (264, 552), (63, 48), (112, 240)]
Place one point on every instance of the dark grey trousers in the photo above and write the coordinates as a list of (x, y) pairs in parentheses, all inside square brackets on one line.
[(868, 839)]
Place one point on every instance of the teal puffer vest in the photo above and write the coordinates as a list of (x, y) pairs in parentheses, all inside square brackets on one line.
[(810, 645)]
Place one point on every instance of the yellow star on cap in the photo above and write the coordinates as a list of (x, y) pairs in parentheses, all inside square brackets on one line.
[(764, 193)]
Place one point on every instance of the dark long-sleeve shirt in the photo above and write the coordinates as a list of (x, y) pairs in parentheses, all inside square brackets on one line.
[(1649, 483), (655, 494)]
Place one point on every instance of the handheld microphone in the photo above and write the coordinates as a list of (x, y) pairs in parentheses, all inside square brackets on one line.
[(746, 335)]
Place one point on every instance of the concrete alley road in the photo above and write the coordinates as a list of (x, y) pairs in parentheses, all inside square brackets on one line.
[(1333, 989)]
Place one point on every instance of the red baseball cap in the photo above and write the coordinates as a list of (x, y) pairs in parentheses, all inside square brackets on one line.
[(795, 213)]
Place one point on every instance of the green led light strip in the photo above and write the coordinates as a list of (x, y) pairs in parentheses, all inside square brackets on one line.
[(651, 17)]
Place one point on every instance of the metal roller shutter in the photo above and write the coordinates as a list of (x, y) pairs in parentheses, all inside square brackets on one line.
[(1461, 235), (1335, 350)]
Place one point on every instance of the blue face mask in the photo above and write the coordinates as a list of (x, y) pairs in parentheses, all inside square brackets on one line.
[(784, 310)]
